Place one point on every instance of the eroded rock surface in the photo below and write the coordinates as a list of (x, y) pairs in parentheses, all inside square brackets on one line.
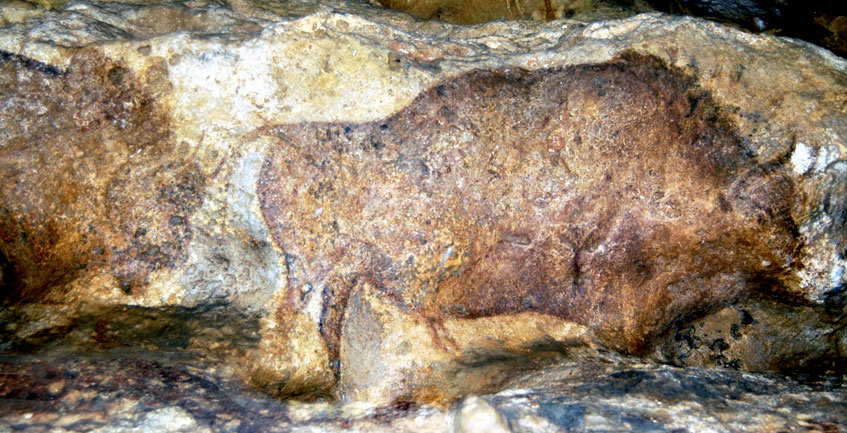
[(347, 203)]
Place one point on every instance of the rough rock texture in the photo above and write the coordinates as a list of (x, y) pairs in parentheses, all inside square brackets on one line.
[(62, 393), (342, 202), (478, 11), (822, 22)]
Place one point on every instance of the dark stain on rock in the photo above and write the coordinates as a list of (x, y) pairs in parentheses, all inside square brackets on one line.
[(27, 63), (731, 337), (652, 213), (89, 165), (834, 204), (835, 301), (568, 416)]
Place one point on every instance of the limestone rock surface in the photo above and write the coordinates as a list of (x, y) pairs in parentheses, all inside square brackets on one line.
[(338, 201), (821, 22), (64, 393)]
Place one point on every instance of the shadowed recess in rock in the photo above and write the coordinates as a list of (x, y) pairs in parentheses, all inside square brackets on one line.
[(612, 195), (211, 331)]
